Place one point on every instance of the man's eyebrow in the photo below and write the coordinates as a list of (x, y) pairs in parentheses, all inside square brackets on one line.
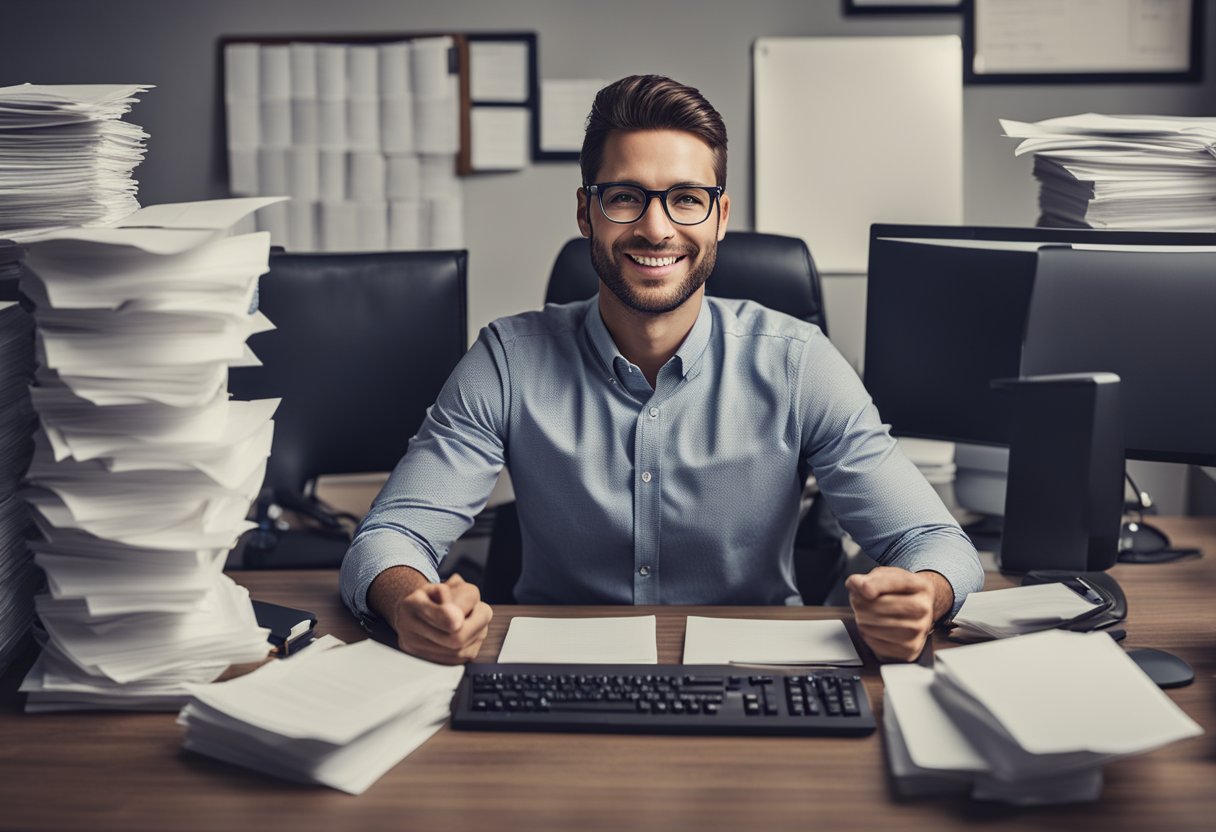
[(685, 184)]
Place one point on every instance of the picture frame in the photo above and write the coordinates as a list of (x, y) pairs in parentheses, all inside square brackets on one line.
[(1131, 41), (864, 7)]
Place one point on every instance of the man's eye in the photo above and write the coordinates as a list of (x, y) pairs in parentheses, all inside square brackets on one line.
[(623, 199)]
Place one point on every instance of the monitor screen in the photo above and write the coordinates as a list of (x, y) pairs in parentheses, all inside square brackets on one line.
[(949, 309)]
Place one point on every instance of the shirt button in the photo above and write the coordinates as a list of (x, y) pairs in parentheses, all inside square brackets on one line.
[(646, 476), (654, 413), (644, 571)]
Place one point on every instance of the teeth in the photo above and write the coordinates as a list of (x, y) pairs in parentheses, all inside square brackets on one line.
[(654, 261)]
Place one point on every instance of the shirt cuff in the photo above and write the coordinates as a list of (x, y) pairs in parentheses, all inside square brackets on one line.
[(953, 557), (372, 553)]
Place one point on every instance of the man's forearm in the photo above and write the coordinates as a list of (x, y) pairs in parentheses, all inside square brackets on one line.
[(392, 585)]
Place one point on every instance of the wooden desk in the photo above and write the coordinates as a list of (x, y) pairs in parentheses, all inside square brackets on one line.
[(102, 771)]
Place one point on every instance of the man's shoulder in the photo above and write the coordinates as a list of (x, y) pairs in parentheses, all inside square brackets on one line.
[(554, 321), (748, 319)]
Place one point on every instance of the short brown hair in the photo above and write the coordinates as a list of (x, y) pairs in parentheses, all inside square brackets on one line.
[(651, 102)]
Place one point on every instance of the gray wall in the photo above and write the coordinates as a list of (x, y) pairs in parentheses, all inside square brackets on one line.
[(516, 222)]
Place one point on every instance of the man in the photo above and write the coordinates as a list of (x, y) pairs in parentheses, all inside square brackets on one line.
[(654, 436)]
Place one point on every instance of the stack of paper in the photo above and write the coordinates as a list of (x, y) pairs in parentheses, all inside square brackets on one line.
[(1001, 613), (18, 577), (1029, 720), (362, 137), (66, 156), (143, 470), (341, 717), (1134, 172)]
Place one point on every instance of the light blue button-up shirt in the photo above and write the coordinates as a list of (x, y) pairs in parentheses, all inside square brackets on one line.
[(687, 493)]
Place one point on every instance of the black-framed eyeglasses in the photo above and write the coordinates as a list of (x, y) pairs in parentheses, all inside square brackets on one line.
[(622, 202)]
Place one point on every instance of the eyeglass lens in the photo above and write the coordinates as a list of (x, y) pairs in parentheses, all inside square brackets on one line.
[(686, 206)]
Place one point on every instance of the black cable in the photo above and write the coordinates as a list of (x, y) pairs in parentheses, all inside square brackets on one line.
[(1141, 542)]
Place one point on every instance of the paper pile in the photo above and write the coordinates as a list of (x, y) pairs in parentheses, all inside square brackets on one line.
[(143, 470), (363, 137), (1028, 720), (1001, 613), (340, 717), (66, 156), (1133, 172), (18, 577)]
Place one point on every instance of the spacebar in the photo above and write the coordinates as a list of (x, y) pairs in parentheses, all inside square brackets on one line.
[(624, 707)]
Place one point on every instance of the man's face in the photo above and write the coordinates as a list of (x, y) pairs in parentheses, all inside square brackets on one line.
[(654, 265)]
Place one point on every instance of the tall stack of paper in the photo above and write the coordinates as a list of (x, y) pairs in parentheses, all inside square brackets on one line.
[(1028, 720), (18, 577), (66, 156), (347, 130), (341, 717), (143, 470), (1132, 172)]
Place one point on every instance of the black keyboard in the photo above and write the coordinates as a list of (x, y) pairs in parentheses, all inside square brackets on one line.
[(661, 699)]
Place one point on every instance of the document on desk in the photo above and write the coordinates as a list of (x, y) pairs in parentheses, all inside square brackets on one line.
[(340, 717), (616, 640), (765, 641)]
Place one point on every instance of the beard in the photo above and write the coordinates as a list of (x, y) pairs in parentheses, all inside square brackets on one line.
[(608, 267)]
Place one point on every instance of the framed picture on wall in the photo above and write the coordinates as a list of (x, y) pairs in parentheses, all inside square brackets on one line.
[(902, 6), (1099, 41)]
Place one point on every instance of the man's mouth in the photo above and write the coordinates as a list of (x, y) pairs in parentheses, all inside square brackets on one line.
[(655, 262)]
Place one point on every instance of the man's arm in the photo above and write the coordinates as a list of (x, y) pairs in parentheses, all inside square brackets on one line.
[(441, 622), (928, 566), (429, 500)]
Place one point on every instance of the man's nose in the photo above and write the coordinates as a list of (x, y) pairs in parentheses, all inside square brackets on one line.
[(654, 225)]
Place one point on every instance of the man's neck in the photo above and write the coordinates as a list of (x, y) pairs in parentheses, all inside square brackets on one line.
[(648, 340)]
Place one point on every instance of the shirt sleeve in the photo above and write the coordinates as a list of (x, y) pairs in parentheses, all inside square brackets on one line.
[(875, 491), (442, 482)]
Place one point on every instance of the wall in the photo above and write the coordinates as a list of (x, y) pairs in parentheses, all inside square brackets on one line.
[(517, 221)]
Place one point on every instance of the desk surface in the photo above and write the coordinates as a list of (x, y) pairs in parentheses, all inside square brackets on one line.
[(128, 772)]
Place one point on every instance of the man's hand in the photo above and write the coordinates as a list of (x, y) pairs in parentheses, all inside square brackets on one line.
[(444, 623), (895, 609)]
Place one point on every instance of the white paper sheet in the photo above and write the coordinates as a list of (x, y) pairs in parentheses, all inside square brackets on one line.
[(623, 640), (763, 641)]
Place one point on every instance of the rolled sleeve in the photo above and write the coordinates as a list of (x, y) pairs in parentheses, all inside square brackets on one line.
[(945, 550), (371, 554)]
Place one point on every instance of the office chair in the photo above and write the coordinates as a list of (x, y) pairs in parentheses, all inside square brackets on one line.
[(771, 269), (363, 344)]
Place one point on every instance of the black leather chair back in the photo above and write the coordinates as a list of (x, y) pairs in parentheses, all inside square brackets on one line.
[(771, 269), (363, 344)]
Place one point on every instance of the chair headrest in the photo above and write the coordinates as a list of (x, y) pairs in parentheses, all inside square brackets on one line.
[(771, 269)]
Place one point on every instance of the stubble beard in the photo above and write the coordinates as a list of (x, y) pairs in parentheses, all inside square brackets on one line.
[(608, 267)]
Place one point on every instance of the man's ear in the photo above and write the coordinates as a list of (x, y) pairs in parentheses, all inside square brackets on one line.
[(723, 215), (581, 216)]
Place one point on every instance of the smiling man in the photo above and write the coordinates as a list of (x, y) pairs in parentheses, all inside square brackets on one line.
[(655, 436)]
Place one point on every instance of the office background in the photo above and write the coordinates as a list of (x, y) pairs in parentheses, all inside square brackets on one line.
[(516, 222)]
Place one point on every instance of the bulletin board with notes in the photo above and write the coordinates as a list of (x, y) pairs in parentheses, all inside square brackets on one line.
[(369, 135)]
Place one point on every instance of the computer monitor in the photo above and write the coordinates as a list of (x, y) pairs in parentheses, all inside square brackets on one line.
[(950, 309)]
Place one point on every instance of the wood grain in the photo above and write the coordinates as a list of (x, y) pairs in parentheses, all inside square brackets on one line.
[(104, 771)]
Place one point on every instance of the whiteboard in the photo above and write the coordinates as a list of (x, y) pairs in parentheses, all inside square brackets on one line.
[(853, 131)]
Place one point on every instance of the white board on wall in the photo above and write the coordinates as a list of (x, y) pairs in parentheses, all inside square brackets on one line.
[(852, 131)]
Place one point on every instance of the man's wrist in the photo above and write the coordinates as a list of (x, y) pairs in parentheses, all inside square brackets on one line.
[(943, 594), (390, 586)]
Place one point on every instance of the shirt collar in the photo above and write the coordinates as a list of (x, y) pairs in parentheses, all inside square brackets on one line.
[(688, 354)]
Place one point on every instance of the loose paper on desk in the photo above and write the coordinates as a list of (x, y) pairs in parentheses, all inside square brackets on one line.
[(763, 641), (1001, 613), (930, 755), (341, 717), (618, 640), (1055, 702)]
